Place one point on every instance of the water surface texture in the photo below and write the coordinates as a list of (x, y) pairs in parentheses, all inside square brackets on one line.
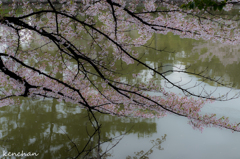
[(50, 128)]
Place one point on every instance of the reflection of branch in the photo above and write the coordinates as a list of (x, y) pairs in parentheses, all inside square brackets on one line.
[(157, 143), (75, 146), (88, 147), (121, 137)]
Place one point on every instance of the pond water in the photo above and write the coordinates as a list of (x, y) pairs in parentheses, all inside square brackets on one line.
[(47, 127)]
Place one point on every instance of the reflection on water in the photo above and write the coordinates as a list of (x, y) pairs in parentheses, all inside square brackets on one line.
[(44, 126), (40, 126)]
